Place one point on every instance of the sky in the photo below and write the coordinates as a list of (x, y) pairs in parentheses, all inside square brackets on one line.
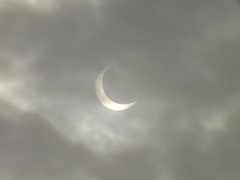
[(178, 59)]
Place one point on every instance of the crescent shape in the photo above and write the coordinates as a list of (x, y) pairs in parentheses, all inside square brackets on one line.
[(104, 99)]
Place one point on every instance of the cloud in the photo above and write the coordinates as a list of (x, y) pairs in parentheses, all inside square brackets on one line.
[(32, 148), (178, 59)]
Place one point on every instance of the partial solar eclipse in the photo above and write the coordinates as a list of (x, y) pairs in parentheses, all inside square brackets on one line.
[(104, 99)]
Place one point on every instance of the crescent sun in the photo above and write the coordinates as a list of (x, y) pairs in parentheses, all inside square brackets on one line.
[(104, 99)]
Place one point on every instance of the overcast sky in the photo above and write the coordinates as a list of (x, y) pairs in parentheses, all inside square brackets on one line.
[(178, 58)]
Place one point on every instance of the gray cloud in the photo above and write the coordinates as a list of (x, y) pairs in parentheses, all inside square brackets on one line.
[(32, 148), (178, 59)]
